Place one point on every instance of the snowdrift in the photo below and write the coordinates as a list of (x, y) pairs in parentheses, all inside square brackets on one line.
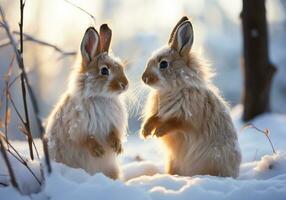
[(262, 173)]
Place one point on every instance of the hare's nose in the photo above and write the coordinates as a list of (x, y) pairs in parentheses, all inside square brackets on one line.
[(123, 84), (145, 78)]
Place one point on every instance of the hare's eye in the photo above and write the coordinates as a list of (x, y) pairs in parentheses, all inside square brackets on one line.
[(163, 64), (104, 71)]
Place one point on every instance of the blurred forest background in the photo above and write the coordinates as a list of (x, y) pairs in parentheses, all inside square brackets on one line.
[(139, 27)]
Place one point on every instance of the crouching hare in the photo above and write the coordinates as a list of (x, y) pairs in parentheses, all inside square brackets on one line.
[(86, 127), (186, 111)]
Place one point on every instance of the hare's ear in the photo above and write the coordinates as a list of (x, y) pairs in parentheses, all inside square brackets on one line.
[(183, 38), (185, 18), (89, 45), (105, 37)]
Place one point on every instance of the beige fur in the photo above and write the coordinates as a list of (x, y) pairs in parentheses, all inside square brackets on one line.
[(86, 127), (186, 111)]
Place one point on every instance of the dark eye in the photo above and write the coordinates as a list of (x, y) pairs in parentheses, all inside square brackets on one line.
[(104, 71), (163, 64)]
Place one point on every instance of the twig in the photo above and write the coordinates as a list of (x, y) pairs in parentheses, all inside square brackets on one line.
[(30, 38), (15, 108), (8, 164), (13, 148), (266, 132), (33, 99), (19, 59), (47, 155), (78, 7), (27, 166), (7, 111), (32, 96), (23, 85), (22, 120), (20, 159), (13, 81), (3, 184)]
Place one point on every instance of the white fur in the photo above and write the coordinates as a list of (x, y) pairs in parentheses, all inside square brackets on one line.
[(87, 109), (96, 116)]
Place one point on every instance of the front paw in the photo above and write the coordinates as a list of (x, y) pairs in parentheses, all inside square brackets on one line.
[(145, 131), (116, 146), (159, 132), (95, 148), (115, 143)]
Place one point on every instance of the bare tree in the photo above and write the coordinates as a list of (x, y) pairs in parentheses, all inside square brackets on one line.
[(257, 68)]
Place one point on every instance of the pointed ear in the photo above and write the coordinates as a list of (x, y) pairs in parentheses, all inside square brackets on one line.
[(183, 38), (89, 45), (105, 37), (185, 18)]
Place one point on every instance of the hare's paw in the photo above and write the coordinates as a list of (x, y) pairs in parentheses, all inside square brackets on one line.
[(97, 151), (115, 142), (144, 133), (117, 146), (94, 147), (146, 130), (148, 127), (159, 132)]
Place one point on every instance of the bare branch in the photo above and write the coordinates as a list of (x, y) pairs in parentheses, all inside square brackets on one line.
[(47, 155), (30, 38), (13, 81), (25, 81), (22, 68), (23, 85), (15, 108), (3, 184), (8, 164), (20, 158), (7, 109), (6, 27)]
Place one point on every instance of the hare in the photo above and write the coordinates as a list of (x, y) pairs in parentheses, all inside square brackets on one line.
[(86, 127), (186, 111)]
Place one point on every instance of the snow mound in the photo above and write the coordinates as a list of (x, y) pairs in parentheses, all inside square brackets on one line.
[(26, 181), (137, 169), (262, 174), (269, 166), (254, 144), (207, 187), (68, 183)]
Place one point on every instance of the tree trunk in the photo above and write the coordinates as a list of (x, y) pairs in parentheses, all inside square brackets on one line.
[(257, 69)]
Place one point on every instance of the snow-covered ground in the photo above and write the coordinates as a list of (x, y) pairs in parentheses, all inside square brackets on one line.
[(262, 173)]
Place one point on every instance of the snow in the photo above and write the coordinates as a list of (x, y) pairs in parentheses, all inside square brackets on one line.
[(254, 144), (28, 184), (262, 173)]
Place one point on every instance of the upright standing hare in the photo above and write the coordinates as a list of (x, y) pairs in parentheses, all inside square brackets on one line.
[(186, 111), (86, 127)]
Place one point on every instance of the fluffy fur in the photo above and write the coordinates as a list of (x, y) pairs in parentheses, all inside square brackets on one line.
[(186, 111), (86, 127)]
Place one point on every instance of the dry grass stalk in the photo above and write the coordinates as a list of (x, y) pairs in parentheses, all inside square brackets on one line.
[(265, 131)]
